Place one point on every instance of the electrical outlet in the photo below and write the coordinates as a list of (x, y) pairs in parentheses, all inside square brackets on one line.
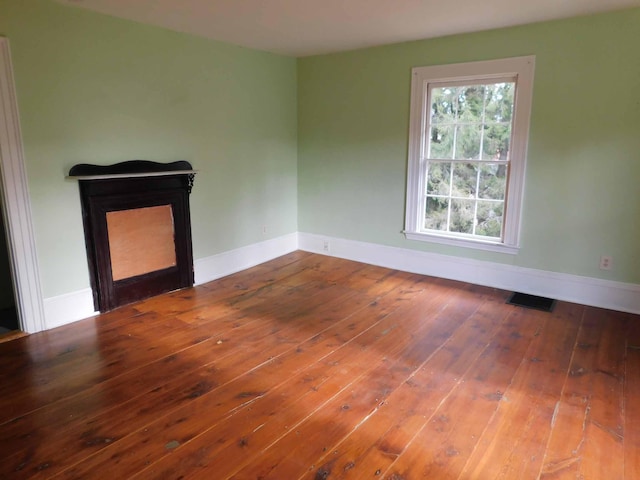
[(606, 262), (325, 246)]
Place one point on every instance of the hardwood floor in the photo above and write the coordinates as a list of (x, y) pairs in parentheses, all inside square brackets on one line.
[(310, 367)]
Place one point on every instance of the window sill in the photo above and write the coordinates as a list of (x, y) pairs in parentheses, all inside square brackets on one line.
[(462, 242)]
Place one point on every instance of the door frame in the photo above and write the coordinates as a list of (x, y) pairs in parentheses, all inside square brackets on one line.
[(16, 204)]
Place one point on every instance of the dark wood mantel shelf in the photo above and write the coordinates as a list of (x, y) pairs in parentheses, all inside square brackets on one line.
[(131, 168)]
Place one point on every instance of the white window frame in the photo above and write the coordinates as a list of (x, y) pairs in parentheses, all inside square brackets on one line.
[(520, 68)]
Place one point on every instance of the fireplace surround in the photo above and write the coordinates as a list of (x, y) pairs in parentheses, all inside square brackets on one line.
[(137, 229)]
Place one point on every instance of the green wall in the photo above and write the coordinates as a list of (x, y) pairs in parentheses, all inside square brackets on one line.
[(321, 148), (96, 89), (582, 193)]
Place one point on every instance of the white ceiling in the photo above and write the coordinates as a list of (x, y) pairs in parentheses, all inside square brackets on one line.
[(308, 27)]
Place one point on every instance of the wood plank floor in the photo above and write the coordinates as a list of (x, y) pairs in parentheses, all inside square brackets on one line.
[(311, 367)]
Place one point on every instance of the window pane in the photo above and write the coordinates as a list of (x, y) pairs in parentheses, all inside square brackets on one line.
[(493, 181), (462, 216), (436, 214), (443, 105), (490, 219), (439, 179), (496, 142), (499, 102), (468, 142), (441, 141), (471, 103), (465, 178)]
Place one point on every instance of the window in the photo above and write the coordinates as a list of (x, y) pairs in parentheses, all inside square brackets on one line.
[(467, 152)]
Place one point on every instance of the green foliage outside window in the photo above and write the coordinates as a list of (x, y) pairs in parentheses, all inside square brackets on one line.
[(467, 153)]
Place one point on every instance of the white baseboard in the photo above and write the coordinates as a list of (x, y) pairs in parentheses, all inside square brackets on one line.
[(68, 308), (624, 297), (226, 263), (74, 306)]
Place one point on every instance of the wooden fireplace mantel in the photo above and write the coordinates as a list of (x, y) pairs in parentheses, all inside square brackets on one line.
[(137, 227), (131, 169), (131, 175)]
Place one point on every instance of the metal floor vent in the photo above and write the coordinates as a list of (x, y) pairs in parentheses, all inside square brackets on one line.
[(531, 301)]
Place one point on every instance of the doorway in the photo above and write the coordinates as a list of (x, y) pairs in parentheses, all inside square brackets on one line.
[(16, 206), (8, 311)]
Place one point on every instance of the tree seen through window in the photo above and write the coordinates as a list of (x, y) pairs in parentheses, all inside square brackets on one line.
[(467, 154)]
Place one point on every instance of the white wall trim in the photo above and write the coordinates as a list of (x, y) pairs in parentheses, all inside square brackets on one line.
[(624, 297), (17, 205), (78, 305), (619, 296), (68, 308), (226, 263)]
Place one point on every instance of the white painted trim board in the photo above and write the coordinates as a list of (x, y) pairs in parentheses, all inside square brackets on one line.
[(232, 261), (620, 296), (74, 306), (624, 297), (17, 204)]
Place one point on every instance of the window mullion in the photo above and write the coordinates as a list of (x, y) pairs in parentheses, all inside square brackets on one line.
[(422, 211), (464, 160), (450, 198), (483, 119), (475, 203)]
